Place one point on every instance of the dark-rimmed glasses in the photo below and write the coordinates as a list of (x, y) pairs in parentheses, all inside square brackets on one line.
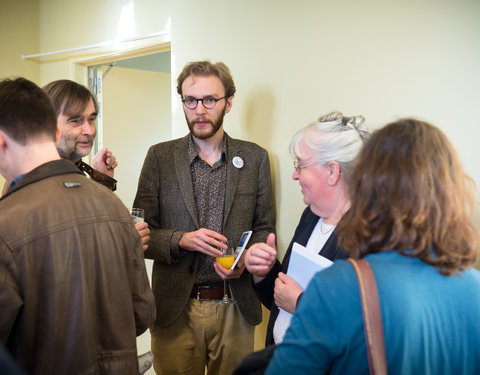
[(208, 102)]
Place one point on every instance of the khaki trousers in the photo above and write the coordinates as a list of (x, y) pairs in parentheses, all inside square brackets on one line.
[(207, 334)]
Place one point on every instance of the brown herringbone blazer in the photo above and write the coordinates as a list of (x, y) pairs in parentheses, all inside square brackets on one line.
[(165, 192)]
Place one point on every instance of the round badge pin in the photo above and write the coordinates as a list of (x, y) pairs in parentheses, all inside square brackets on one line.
[(237, 162)]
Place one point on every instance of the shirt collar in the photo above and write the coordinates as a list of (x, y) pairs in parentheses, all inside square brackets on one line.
[(193, 153), (15, 180)]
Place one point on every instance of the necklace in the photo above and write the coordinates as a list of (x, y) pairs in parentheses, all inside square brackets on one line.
[(325, 232)]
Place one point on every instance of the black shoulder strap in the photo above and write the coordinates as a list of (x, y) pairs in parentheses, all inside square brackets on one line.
[(97, 176)]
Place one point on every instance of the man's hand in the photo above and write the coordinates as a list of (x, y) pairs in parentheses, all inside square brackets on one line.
[(204, 241), (105, 162), (226, 274), (143, 232), (260, 257), (286, 292)]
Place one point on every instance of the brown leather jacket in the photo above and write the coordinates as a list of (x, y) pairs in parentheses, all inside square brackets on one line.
[(74, 291)]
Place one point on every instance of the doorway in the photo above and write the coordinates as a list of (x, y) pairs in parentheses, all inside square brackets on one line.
[(135, 112)]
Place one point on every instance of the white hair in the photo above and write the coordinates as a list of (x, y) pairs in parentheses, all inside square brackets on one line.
[(332, 137)]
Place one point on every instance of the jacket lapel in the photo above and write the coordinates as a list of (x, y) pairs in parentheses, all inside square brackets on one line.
[(233, 173), (184, 177)]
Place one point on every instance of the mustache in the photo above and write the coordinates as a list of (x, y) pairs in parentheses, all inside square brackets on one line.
[(85, 139)]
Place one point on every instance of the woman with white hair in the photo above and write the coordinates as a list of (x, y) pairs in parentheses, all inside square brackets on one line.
[(323, 153)]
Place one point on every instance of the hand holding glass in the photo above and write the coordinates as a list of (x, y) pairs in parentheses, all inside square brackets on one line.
[(138, 215), (226, 261)]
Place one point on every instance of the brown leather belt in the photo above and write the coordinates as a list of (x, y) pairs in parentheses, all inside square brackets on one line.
[(208, 292)]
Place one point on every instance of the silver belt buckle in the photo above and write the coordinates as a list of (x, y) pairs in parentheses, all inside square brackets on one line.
[(198, 292)]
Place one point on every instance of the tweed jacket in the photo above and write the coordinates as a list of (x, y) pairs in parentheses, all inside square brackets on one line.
[(165, 192), (74, 291), (265, 287)]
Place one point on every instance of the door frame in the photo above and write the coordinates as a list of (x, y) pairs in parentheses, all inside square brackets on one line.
[(79, 69)]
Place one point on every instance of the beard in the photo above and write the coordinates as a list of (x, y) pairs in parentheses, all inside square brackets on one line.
[(67, 149), (215, 125)]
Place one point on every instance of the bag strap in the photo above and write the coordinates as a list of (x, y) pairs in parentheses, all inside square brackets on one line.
[(97, 176), (372, 317)]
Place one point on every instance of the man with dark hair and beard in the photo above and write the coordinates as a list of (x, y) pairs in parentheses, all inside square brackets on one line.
[(198, 192), (77, 109)]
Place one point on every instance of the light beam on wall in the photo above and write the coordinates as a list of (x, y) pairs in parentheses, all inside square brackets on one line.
[(126, 24)]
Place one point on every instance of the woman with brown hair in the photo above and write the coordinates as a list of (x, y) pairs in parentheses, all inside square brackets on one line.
[(411, 219)]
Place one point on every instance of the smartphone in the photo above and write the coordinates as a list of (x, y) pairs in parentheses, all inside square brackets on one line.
[(242, 244)]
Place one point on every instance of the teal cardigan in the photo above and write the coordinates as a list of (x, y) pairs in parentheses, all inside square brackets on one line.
[(431, 322)]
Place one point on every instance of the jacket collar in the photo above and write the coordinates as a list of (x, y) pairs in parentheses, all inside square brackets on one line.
[(50, 169)]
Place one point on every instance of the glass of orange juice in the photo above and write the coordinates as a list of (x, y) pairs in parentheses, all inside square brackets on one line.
[(226, 261)]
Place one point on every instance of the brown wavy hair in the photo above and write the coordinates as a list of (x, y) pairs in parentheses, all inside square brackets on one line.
[(410, 193), (69, 97), (204, 69)]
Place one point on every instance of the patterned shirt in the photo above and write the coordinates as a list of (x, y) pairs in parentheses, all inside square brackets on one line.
[(209, 193)]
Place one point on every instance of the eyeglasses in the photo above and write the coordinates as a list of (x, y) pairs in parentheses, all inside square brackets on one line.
[(298, 166), (208, 102)]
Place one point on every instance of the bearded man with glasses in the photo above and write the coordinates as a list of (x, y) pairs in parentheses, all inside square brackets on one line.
[(198, 192)]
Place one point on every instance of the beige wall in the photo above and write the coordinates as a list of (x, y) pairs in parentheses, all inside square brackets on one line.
[(19, 34), (293, 61), (19, 26), (136, 112), (68, 24)]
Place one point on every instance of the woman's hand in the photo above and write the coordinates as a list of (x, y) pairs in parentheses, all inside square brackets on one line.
[(286, 292), (260, 257)]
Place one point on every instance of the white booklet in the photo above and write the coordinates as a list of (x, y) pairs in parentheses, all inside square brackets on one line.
[(303, 265)]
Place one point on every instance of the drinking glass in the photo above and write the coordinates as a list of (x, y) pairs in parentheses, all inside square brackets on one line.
[(138, 215), (226, 261)]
